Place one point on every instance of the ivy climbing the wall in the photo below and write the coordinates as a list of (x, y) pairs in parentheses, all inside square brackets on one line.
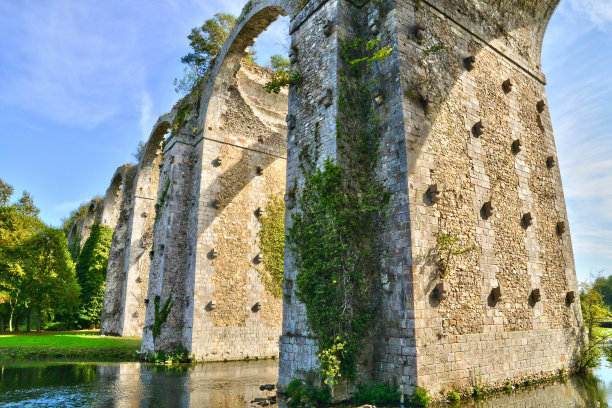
[(334, 232), (272, 237)]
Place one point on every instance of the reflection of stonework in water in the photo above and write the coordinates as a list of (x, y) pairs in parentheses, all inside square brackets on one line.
[(467, 148)]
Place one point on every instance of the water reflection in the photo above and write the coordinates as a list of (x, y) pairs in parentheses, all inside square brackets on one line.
[(222, 385)]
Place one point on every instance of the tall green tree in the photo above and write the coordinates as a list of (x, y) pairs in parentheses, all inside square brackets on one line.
[(205, 42), (91, 274), (50, 285), (594, 311), (18, 222)]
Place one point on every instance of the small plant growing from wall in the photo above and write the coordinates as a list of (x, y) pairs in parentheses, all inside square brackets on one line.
[(283, 77), (449, 248), (161, 315)]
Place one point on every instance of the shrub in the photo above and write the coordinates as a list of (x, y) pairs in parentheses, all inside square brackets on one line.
[(377, 393), (421, 397)]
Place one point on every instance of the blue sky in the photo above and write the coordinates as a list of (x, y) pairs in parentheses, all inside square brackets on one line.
[(82, 82)]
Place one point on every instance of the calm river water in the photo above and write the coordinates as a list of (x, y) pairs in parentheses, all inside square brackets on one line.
[(219, 385)]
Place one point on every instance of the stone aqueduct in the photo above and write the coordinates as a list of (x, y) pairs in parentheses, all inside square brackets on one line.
[(473, 154)]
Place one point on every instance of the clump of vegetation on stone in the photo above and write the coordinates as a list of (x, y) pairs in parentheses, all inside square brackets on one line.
[(449, 248), (379, 393), (302, 393), (160, 314), (272, 237), (421, 397)]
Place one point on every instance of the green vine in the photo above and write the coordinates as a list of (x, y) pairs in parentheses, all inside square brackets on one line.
[(161, 199), (272, 237), (335, 225), (161, 315)]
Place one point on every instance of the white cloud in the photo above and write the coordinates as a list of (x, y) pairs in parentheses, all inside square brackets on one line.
[(146, 105), (599, 12), (68, 206)]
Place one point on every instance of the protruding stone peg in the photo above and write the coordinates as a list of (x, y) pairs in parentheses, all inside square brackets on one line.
[(213, 253), (291, 122), (440, 291), (478, 128), (217, 162), (550, 162), (434, 192), (214, 204), (328, 28), (256, 307), (293, 54), (469, 62), (211, 305), (516, 146), (379, 99), (527, 220), (259, 212), (487, 209), (289, 201), (259, 170), (536, 296), (419, 34), (570, 297), (560, 228), (540, 106), (507, 85), (496, 294), (426, 102), (327, 98), (259, 258)]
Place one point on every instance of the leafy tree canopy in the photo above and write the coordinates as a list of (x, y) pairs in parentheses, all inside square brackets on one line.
[(206, 42)]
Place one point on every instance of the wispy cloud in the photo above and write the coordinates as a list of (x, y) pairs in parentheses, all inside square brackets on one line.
[(146, 106), (599, 12), (67, 206), (577, 62)]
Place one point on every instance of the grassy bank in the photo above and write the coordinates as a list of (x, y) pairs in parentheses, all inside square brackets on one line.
[(88, 345)]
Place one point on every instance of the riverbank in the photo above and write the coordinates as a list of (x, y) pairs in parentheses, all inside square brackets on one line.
[(85, 344)]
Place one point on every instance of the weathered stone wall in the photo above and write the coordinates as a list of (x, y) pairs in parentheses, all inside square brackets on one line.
[(470, 337)]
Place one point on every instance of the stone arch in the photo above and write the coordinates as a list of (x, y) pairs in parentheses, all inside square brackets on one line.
[(140, 231), (113, 197), (91, 216), (74, 230)]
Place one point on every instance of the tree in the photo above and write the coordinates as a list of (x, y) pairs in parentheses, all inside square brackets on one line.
[(50, 284), (594, 311), (140, 151), (91, 274), (604, 286), (278, 61), (18, 222), (206, 42)]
